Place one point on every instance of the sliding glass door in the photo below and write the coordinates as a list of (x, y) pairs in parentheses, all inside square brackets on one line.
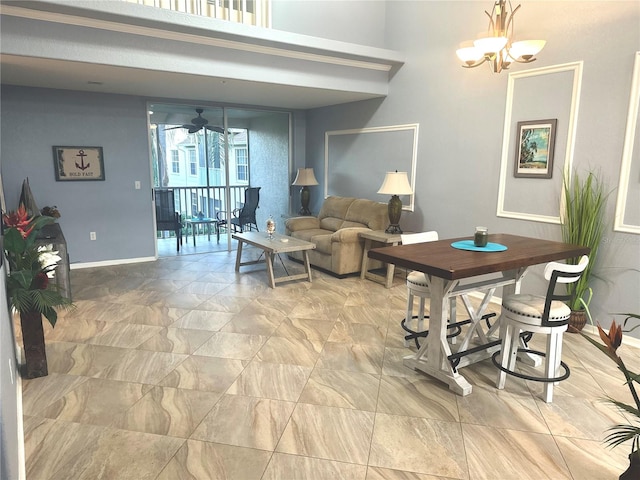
[(208, 156)]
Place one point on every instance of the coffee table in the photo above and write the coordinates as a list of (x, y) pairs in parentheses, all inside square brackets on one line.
[(272, 247)]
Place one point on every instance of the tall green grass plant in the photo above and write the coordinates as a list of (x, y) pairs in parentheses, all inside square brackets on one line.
[(583, 223)]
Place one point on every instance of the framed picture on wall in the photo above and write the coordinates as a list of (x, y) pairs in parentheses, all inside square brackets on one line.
[(78, 163), (535, 142)]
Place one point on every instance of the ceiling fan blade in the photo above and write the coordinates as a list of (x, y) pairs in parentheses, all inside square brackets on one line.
[(215, 129), (194, 128), (179, 126)]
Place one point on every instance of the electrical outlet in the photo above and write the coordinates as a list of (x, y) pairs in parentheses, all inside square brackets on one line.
[(92, 235)]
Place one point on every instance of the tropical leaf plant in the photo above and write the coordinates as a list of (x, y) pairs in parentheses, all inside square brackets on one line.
[(621, 433)]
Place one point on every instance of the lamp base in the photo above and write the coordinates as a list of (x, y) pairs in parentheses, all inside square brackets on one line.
[(393, 229)]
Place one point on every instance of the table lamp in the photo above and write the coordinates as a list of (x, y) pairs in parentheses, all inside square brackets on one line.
[(394, 184), (304, 179)]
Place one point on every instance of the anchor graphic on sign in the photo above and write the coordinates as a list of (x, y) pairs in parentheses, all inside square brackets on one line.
[(82, 166)]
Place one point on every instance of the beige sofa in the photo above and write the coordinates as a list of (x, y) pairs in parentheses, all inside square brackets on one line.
[(335, 231)]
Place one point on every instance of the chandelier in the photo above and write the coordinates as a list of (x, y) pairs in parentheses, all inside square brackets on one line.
[(497, 46)]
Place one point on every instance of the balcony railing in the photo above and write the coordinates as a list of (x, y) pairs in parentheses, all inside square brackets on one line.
[(250, 12), (191, 201)]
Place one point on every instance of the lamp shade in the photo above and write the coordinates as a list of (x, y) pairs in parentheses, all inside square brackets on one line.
[(396, 183), (305, 177)]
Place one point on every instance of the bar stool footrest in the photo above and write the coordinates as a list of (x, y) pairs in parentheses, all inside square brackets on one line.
[(559, 378)]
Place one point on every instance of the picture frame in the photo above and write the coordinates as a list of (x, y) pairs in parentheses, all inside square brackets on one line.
[(535, 143), (78, 163)]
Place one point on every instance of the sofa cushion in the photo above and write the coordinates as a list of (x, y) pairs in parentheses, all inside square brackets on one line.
[(367, 213), (309, 234), (335, 207), (331, 223)]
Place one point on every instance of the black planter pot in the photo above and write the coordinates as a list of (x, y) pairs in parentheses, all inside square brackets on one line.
[(33, 341), (633, 472)]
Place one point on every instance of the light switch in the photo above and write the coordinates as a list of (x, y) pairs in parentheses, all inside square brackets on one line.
[(137, 184)]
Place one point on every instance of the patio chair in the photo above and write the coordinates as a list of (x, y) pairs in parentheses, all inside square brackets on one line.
[(244, 218), (167, 219)]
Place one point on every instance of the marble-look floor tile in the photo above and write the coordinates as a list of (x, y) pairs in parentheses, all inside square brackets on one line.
[(125, 335), (206, 461), (203, 320), (358, 333), (167, 411), (514, 454), (377, 473), (591, 459), (77, 330), (232, 345), (366, 313), (270, 307), (417, 397), (39, 393), (254, 324), (305, 329), (328, 432), (204, 373), (176, 340), (225, 304), (356, 358), (284, 466), (202, 288), (87, 452), (245, 422), (393, 363), (270, 380), (418, 445), (339, 388), (95, 401), (142, 366), (502, 410), (153, 315), (579, 417), (290, 351), (322, 310)]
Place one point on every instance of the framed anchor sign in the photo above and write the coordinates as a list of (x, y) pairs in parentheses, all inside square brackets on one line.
[(78, 163)]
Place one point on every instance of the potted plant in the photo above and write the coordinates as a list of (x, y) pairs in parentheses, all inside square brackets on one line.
[(30, 294), (622, 433), (583, 223)]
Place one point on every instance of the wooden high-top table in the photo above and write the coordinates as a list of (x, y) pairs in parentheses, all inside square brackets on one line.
[(272, 247), (444, 268)]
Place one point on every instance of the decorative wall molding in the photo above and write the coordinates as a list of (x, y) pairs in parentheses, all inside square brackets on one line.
[(627, 154), (408, 163), (565, 160)]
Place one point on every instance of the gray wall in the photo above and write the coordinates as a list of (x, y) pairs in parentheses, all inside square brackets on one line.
[(353, 21), (35, 119), (269, 154), (461, 116), (10, 437)]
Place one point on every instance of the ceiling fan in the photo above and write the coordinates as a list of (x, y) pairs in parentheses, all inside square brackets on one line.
[(198, 123)]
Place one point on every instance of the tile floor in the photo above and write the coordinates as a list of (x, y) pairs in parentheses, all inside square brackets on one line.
[(183, 369)]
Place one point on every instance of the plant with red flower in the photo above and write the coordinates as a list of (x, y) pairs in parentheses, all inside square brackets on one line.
[(619, 434), (30, 266)]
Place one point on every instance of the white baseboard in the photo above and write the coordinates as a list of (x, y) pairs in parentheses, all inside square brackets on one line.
[(110, 263)]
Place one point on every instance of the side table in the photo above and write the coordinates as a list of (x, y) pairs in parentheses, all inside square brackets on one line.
[(379, 236)]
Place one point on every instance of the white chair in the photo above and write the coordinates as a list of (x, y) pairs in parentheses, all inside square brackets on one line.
[(548, 315), (417, 286)]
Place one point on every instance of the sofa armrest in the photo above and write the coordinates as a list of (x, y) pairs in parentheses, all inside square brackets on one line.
[(348, 235), (302, 223)]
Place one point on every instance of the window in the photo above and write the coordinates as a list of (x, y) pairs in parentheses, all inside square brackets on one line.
[(175, 161), (193, 163), (242, 165)]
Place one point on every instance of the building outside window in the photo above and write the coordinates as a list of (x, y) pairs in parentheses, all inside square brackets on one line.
[(242, 164), (193, 162), (175, 161)]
